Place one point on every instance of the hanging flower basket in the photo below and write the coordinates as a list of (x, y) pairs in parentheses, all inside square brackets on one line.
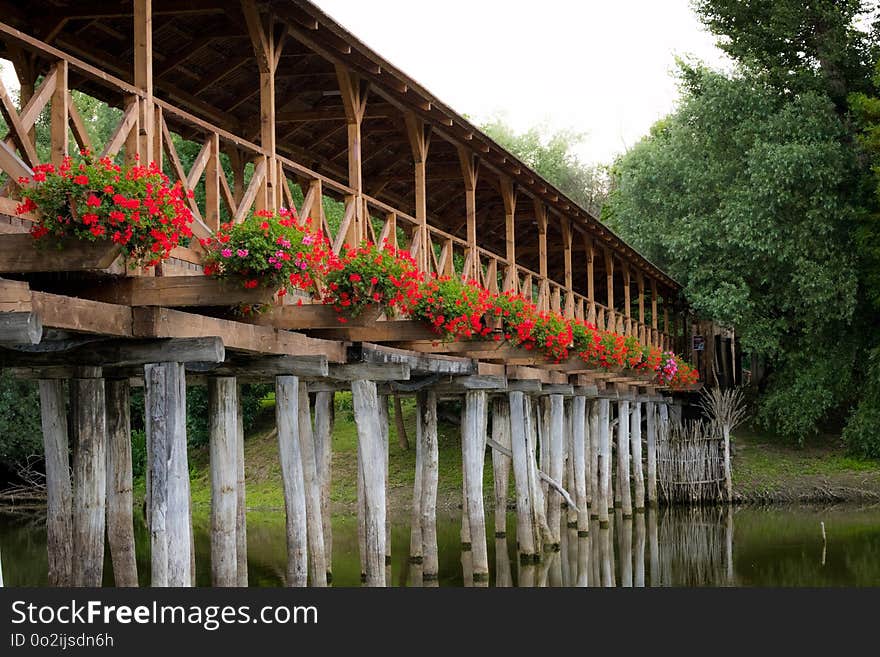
[(131, 211)]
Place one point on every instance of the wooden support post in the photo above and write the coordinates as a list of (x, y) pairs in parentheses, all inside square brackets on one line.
[(287, 422), (594, 459), (653, 549), (501, 462), (526, 529), (59, 112), (556, 440), (324, 410), (640, 280), (469, 170), (241, 569), (427, 409), (569, 279), (372, 455), (317, 560), (579, 441), (651, 427), (120, 523), (635, 435), (624, 547), (88, 408), (473, 454), (419, 135), (171, 534), (591, 278), (384, 425), (508, 196), (609, 282), (604, 421), (639, 551), (543, 290), (58, 489), (415, 537), (223, 430), (354, 100), (627, 298), (623, 458), (143, 77)]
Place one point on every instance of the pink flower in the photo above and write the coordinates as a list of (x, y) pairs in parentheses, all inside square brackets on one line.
[(242, 253), (226, 253)]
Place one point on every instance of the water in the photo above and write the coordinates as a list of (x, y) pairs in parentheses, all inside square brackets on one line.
[(699, 547)]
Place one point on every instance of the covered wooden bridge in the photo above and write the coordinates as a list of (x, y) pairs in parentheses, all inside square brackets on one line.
[(284, 108)]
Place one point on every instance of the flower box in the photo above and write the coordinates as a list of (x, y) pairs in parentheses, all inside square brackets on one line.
[(21, 253)]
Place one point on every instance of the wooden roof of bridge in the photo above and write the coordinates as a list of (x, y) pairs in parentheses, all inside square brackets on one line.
[(204, 63)]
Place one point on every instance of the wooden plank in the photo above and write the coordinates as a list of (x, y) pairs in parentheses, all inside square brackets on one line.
[(385, 331), (166, 323), (370, 372), (83, 315), (311, 316), (171, 291), (417, 362), (20, 253), (265, 367), (122, 353), (15, 296)]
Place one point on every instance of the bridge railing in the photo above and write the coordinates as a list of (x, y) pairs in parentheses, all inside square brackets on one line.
[(230, 176)]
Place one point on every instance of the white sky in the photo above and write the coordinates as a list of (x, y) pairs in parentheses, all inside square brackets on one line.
[(600, 67)]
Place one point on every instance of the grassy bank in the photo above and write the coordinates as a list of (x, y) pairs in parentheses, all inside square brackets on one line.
[(263, 471), (766, 469)]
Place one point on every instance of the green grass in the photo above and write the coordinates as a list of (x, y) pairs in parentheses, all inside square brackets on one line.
[(263, 471)]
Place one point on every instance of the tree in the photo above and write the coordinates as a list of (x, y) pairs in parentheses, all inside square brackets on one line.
[(757, 194), (551, 156)]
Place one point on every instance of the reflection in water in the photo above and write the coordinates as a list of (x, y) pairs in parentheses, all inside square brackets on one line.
[(677, 547)]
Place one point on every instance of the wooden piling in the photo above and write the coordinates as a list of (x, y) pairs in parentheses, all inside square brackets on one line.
[(635, 436), (639, 551), (324, 410), (415, 537), (384, 421), (556, 439), (58, 490), (427, 409), (88, 405), (606, 555), (315, 537), (579, 461), (594, 459), (473, 456), (526, 530), (223, 430), (653, 548), (651, 447), (287, 422), (372, 453), (625, 549), (571, 514), (501, 462), (120, 523), (241, 568), (604, 455), (623, 458), (539, 507)]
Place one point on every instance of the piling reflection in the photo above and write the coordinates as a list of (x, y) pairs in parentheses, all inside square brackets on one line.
[(669, 547)]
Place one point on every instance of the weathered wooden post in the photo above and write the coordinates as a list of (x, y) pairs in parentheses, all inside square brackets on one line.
[(503, 575), (223, 430), (315, 539), (651, 427), (171, 534), (639, 551), (594, 459), (372, 455), (473, 454), (427, 410), (623, 458), (539, 506), (241, 568), (58, 490), (324, 411), (415, 536), (653, 547), (287, 422), (604, 452), (606, 555), (625, 550), (89, 475), (635, 435), (526, 529), (579, 462), (584, 561), (571, 513), (501, 462), (557, 441), (120, 523), (384, 425)]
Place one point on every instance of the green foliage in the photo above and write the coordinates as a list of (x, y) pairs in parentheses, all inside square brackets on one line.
[(197, 410), (20, 429), (757, 194), (862, 432), (551, 156)]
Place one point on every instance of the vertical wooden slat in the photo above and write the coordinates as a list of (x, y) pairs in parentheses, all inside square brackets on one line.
[(58, 115)]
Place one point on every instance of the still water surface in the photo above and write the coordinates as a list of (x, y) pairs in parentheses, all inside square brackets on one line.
[(699, 547)]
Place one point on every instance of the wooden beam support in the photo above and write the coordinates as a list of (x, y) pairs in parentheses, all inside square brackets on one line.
[(419, 135), (143, 77), (469, 171)]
